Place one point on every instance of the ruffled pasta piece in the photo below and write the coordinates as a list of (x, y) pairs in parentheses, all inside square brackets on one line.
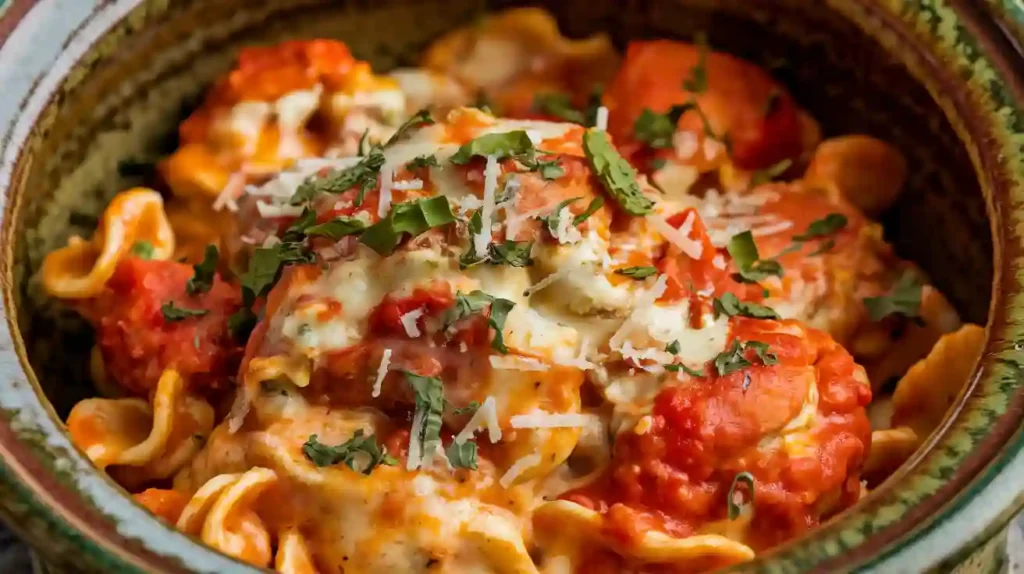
[(890, 448), (868, 172), (293, 556), (82, 268), (925, 394), (518, 53), (156, 440), (165, 504), (884, 359), (221, 513), (566, 529)]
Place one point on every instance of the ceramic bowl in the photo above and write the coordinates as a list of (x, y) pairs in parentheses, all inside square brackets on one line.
[(93, 88)]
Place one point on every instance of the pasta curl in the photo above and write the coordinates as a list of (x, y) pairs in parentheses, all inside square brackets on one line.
[(81, 269)]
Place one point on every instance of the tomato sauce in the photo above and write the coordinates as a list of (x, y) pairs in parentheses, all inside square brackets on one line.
[(138, 342), (741, 102), (676, 476)]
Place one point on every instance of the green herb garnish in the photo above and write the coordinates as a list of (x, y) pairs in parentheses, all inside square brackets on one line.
[(143, 249), (595, 204), (615, 173), (657, 130), (174, 313), (736, 509), (673, 347), (419, 119), (676, 367), (763, 176), (639, 272), (501, 145), (411, 218), (904, 299), (429, 392), (348, 452), (362, 175), (733, 359), (752, 268), (337, 228), (204, 273), (474, 302), (421, 162), (730, 306), (462, 455), (558, 105), (826, 226)]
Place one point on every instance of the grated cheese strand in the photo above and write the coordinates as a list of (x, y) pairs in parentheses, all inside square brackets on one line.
[(382, 371), (518, 468), (387, 176), (601, 121), (483, 239), (409, 322), (538, 419), (487, 415), (691, 248)]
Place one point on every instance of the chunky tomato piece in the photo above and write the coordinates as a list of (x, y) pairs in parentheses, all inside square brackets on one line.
[(676, 474), (757, 114), (165, 504), (386, 318), (139, 342)]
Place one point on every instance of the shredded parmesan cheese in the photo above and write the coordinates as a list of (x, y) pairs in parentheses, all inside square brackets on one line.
[(516, 363), (691, 248), (487, 415), (538, 419), (382, 371), (518, 468), (601, 121), (387, 176), (408, 184), (483, 239), (409, 322), (267, 210)]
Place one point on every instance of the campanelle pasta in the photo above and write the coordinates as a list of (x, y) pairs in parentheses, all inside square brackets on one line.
[(651, 331)]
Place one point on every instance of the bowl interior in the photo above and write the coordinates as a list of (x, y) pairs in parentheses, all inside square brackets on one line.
[(119, 110)]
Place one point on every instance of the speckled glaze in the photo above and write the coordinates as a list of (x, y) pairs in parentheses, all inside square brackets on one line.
[(89, 83)]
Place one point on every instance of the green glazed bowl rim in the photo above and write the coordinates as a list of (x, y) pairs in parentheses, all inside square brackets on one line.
[(958, 491)]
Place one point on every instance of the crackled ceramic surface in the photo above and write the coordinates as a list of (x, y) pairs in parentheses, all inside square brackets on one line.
[(89, 83)]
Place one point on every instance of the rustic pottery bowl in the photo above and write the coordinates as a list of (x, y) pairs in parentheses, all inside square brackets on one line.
[(91, 86)]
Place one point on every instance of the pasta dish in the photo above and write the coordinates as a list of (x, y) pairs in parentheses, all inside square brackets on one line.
[(533, 306)]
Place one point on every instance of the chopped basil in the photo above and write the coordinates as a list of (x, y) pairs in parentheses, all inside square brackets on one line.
[(174, 313), (466, 410), (676, 367), (205, 273), (639, 272), (558, 105), (763, 176), (361, 150), (514, 253), (761, 350), (672, 347), (697, 82), (733, 359), (429, 392), (752, 268), (265, 265), (736, 509), (348, 452), (730, 306), (337, 228), (421, 162), (826, 226), (823, 248), (657, 130), (501, 145), (462, 455), (467, 304), (411, 218), (592, 208), (142, 249), (363, 174), (241, 323), (552, 220), (419, 119), (548, 169), (615, 173), (904, 299), (296, 232)]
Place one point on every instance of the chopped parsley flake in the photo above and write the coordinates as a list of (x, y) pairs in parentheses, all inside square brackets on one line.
[(361, 453), (616, 175), (174, 313), (904, 299), (204, 273)]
